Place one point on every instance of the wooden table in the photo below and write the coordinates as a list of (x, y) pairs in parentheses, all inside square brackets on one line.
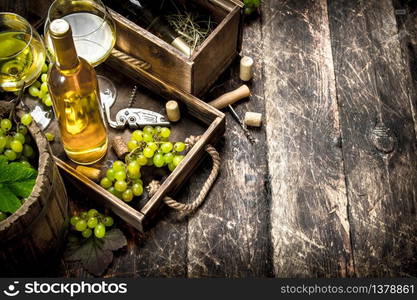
[(330, 189)]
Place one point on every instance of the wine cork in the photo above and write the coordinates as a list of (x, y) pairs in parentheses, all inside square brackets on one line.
[(120, 147), (173, 111), (92, 173), (231, 97), (253, 119), (246, 70)]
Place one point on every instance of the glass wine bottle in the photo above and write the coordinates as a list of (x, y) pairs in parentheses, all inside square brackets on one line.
[(76, 99), (142, 13)]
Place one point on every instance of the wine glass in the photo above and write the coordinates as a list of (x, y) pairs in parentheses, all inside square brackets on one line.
[(22, 53), (93, 31)]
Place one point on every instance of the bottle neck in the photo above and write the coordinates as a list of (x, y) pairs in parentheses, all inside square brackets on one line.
[(65, 52)]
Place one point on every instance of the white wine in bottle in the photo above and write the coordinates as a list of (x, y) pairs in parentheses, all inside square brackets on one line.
[(76, 99)]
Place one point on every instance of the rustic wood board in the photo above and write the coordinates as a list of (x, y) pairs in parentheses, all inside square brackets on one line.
[(378, 137)]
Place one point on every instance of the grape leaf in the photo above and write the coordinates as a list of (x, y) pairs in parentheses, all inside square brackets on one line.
[(16, 181), (95, 254)]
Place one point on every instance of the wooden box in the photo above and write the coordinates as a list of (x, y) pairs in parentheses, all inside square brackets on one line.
[(198, 118), (193, 74)]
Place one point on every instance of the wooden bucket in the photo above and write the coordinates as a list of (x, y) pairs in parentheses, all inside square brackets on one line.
[(31, 238)]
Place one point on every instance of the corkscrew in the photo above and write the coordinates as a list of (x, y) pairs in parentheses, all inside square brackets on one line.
[(133, 117)]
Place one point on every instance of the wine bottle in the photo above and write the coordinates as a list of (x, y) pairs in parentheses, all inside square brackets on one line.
[(74, 90), (142, 13)]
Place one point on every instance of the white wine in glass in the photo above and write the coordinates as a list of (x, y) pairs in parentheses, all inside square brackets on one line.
[(22, 53)]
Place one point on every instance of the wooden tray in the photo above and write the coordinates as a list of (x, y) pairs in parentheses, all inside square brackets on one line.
[(198, 118)]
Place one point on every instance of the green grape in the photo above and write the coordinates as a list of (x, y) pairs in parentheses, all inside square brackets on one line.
[(92, 213), (158, 160), (177, 159), (19, 137), (142, 160), (157, 129), (3, 157), (166, 147), (16, 146), (150, 162), (3, 216), (179, 147), (100, 231), (148, 152), (6, 124), (34, 91), (153, 146), (148, 129), (168, 158), (118, 166), (25, 163), (22, 129), (26, 119), (114, 192), (110, 174), (3, 141), (36, 84), (132, 144), (92, 222), (74, 220), (165, 132), (47, 100), (137, 136), (87, 233), (138, 181), (44, 77), (171, 166), (106, 183), (120, 175), (108, 221), (147, 137), (44, 88), (84, 215), (127, 195), (133, 170), (81, 225), (28, 151), (137, 189), (10, 154), (120, 186), (44, 68), (50, 136), (2, 132)]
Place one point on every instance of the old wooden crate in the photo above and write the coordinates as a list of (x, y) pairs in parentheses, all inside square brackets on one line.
[(198, 118), (193, 74)]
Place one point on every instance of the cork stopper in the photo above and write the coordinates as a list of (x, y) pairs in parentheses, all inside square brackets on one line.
[(173, 111), (92, 173), (120, 147), (253, 119), (246, 70)]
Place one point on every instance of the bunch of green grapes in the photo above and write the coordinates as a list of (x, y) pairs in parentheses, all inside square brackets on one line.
[(15, 140), (39, 89), (251, 6), (91, 221), (148, 147)]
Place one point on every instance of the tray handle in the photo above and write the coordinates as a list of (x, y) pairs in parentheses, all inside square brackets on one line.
[(187, 209)]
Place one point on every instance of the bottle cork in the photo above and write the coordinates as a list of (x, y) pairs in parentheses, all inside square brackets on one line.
[(92, 173), (246, 70), (253, 119), (173, 111), (120, 147), (231, 97)]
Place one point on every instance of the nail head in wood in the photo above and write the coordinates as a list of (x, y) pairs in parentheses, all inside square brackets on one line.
[(173, 111), (246, 68), (253, 119)]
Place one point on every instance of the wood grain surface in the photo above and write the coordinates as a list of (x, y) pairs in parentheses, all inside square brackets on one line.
[(329, 189)]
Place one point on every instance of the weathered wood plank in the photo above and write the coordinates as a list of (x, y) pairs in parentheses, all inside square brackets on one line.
[(378, 136), (310, 228), (229, 236)]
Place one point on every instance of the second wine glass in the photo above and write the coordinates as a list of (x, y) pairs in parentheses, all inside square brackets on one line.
[(93, 31)]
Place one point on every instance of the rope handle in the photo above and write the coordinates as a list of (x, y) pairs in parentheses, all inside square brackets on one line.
[(191, 207)]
